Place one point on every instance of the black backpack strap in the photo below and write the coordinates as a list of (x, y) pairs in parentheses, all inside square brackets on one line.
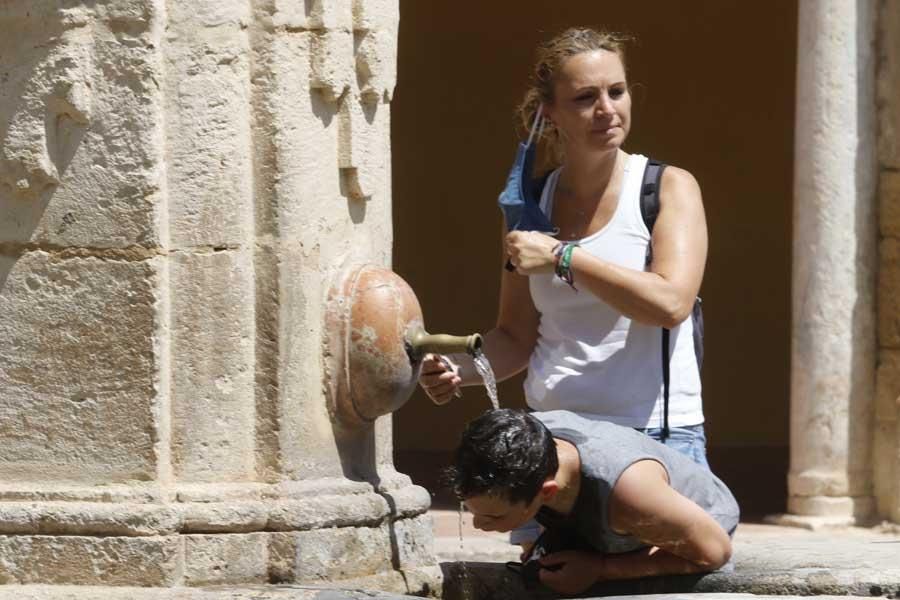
[(649, 211), (650, 198), (664, 435)]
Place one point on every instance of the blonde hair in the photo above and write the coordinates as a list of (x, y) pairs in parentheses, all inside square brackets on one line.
[(550, 56)]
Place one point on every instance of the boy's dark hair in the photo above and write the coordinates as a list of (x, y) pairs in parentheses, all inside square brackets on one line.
[(505, 453)]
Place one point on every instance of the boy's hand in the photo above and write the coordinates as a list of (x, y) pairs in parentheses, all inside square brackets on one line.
[(570, 572)]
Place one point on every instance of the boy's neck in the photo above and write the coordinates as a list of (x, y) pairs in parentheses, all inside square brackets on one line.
[(568, 478)]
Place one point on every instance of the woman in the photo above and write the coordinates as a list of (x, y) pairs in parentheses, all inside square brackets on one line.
[(590, 333)]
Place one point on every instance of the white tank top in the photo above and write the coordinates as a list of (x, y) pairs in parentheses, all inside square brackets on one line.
[(593, 360)]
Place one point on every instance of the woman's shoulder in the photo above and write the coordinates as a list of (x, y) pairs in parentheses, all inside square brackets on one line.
[(678, 183), (675, 175)]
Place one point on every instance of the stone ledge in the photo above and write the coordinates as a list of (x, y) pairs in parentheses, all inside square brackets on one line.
[(464, 581), (138, 519), (261, 592)]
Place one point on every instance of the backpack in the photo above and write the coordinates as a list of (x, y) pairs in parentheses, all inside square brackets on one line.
[(649, 211)]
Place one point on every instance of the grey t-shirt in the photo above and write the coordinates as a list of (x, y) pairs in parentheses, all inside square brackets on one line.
[(606, 450)]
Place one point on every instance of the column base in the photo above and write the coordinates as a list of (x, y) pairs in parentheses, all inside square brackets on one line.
[(810, 522), (395, 556), (324, 532), (819, 512)]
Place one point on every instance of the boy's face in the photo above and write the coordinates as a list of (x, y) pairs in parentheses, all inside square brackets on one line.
[(492, 513)]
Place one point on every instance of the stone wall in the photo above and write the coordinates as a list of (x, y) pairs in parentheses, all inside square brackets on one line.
[(887, 434), (180, 181)]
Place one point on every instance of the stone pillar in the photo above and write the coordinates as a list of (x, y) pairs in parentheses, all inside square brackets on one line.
[(834, 258), (180, 183), (887, 409)]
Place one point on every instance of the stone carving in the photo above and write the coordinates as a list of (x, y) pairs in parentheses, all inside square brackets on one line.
[(45, 108)]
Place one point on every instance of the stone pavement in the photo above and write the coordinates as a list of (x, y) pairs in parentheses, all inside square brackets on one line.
[(769, 560)]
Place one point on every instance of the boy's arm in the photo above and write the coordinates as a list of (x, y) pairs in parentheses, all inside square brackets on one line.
[(683, 538), (686, 538)]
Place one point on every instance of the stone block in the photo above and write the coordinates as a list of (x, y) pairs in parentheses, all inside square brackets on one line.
[(313, 14), (210, 163), (78, 560), (889, 293), (887, 386), (137, 11), (364, 151), (224, 517), (888, 84), (414, 541), (889, 199), (212, 357), (375, 14), (885, 458), (226, 559), (339, 554), (375, 23), (80, 165), (78, 368), (333, 67), (184, 17), (303, 127), (88, 518), (376, 64)]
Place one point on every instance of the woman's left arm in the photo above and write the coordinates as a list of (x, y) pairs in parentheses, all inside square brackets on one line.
[(665, 294), (662, 296)]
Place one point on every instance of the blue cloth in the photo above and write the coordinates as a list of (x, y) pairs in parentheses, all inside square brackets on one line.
[(520, 198)]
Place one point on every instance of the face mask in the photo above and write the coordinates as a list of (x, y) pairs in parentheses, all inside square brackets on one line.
[(520, 198)]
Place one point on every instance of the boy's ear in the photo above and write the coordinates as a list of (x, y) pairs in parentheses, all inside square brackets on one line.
[(548, 489)]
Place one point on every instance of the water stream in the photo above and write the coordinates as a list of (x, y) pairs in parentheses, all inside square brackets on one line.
[(464, 574), (483, 366)]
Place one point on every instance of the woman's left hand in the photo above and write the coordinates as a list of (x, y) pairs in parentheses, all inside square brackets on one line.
[(530, 252)]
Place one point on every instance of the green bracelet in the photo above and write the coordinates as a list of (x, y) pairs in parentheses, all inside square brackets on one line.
[(564, 268)]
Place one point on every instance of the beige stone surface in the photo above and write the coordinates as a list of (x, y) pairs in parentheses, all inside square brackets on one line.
[(212, 355), (226, 559), (82, 560), (208, 126), (340, 554), (78, 368), (81, 126), (414, 540)]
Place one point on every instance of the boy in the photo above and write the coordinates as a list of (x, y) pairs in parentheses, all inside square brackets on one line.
[(631, 506)]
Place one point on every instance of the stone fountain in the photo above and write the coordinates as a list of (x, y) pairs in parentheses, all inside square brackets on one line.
[(192, 380)]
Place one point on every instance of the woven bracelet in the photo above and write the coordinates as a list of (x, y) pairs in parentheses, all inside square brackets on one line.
[(564, 265)]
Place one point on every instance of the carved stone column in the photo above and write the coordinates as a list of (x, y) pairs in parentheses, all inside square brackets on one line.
[(180, 183), (834, 265)]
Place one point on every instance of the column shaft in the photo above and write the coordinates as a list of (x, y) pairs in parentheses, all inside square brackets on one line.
[(834, 262)]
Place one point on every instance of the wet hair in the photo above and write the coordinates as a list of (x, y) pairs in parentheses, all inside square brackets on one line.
[(549, 58), (504, 453)]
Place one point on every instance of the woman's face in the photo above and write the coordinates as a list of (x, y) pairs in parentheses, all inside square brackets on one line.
[(592, 104)]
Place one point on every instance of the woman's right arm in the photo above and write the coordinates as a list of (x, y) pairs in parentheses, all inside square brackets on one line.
[(507, 346)]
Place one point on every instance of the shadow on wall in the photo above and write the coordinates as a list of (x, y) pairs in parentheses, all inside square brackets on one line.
[(45, 109)]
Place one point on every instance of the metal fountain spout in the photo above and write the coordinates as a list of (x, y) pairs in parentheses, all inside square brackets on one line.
[(419, 343), (375, 340)]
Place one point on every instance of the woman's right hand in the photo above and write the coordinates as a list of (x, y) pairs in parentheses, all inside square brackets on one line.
[(440, 378)]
